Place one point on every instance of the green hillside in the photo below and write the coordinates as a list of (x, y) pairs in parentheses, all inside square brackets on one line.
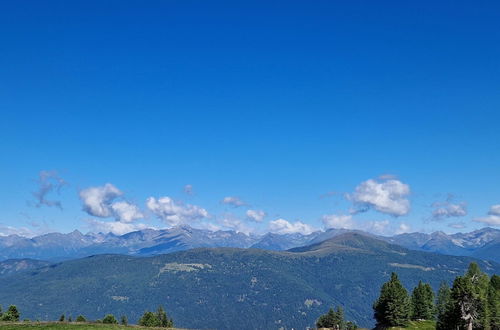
[(418, 325), (66, 326), (229, 288)]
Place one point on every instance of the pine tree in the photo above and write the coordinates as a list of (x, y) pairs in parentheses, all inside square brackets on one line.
[(339, 317), (109, 319), (61, 318), (422, 301), (325, 320), (494, 302), (443, 306), (351, 326), (149, 319), (11, 315), (124, 320), (81, 318), (465, 312), (480, 283), (332, 319), (392, 308)]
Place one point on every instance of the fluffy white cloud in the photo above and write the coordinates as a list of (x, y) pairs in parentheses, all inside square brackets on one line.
[(126, 212), (100, 202), (493, 217), (494, 210), (338, 221), (175, 212), (97, 200), (492, 220), (448, 210), (115, 227), (385, 196), (403, 228), (281, 226), (233, 201), (256, 215)]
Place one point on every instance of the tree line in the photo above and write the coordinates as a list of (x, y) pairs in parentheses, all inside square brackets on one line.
[(148, 319), (473, 302)]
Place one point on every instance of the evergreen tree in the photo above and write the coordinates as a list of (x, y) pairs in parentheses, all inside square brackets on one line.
[(422, 301), (81, 318), (334, 319), (326, 320), (70, 319), (392, 308), (61, 318), (480, 283), (163, 319), (109, 319), (351, 326), (124, 320), (494, 302), (339, 318), (443, 305), (11, 315), (149, 319), (465, 309)]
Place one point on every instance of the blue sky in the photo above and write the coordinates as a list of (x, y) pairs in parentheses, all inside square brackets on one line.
[(382, 116)]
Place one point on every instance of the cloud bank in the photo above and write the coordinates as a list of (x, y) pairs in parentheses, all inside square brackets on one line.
[(282, 226)]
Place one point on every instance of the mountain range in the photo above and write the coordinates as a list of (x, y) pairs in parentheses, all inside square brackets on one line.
[(483, 243), (229, 288)]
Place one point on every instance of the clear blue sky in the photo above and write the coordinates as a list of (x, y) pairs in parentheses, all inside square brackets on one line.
[(278, 103)]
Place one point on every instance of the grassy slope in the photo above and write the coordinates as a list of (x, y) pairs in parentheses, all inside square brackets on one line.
[(420, 325), (66, 326)]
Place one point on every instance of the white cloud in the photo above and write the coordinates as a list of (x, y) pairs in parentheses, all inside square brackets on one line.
[(492, 220), (48, 182), (385, 196), (100, 202), (20, 231), (457, 225), (493, 217), (97, 200), (403, 228), (494, 210), (115, 227), (235, 224), (282, 226), (378, 227), (126, 212), (338, 221), (256, 215), (448, 210), (233, 201), (175, 212), (347, 222)]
